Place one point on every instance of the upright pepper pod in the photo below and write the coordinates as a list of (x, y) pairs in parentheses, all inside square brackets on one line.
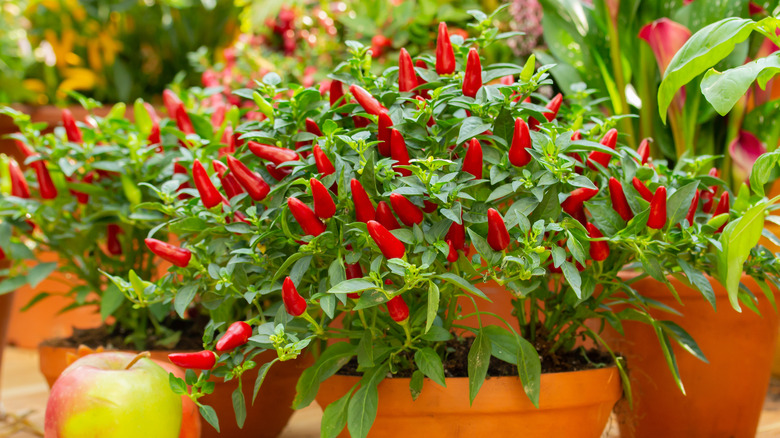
[(429, 207), (407, 78), (209, 195), (19, 187), (369, 103), (384, 135), (384, 215), (472, 162), (306, 218), (521, 142), (619, 201), (445, 55), (472, 81), (72, 130), (353, 271), (218, 116), (273, 154), (254, 184), (183, 121), (457, 234), (236, 335), (83, 198), (409, 213), (312, 127), (294, 303), (336, 93), (279, 173), (324, 207), (692, 209), (113, 245), (599, 249), (640, 187), (177, 256), (553, 106), (709, 196), (45, 183), (171, 102), (202, 360), (574, 204), (398, 309), (154, 134), (722, 207), (498, 236), (229, 182), (364, 209), (229, 140), (644, 151), (390, 246), (602, 158), (657, 219), (452, 255), (399, 152), (323, 163)]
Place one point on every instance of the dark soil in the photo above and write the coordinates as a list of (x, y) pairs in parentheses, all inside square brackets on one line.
[(456, 362), (115, 338)]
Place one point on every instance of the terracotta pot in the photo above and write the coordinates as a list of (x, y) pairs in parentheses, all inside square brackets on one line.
[(725, 397), (6, 301), (573, 404), (265, 419)]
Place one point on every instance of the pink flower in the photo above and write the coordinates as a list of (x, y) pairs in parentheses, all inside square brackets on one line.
[(665, 38), (744, 151)]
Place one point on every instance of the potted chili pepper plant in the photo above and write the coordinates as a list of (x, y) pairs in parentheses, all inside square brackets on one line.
[(413, 191)]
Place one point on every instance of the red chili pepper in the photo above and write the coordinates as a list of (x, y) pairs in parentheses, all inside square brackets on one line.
[(324, 206), (236, 335), (180, 169), (384, 215), (576, 136), (279, 173), (366, 100), (113, 245), (45, 183), (209, 195), (353, 271), (457, 234), (154, 134), (218, 116), (603, 158), (399, 152), (384, 135), (364, 209), (420, 81), (306, 218), (254, 184), (692, 210), (24, 149), (619, 201), (553, 106), (336, 93), (312, 128), (472, 81), (398, 309), (429, 207), (709, 196), (407, 78), (599, 250), (472, 162), (171, 102), (294, 303), (521, 142), (453, 255), (202, 360), (229, 140), (229, 182), (445, 55), (324, 165), (19, 187), (360, 122), (72, 130), (178, 256), (574, 204), (722, 207), (183, 121), (272, 153), (644, 150), (498, 236), (640, 187), (409, 213), (657, 218), (390, 246), (2, 255)]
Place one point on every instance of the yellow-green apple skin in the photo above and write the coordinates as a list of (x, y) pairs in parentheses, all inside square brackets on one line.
[(96, 397)]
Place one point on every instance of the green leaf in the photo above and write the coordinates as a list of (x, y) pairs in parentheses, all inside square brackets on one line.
[(239, 406), (699, 281), (684, 339), (762, 171), (142, 118), (178, 386), (680, 202), (110, 301), (478, 363), (363, 405), (458, 281), (429, 362), (702, 51), (184, 297), (365, 350), (261, 373), (572, 276), (416, 384), (352, 286), (334, 418), (331, 360), (12, 283), (39, 273), (210, 415), (737, 239), (723, 89), (529, 369), (471, 127), (433, 305)]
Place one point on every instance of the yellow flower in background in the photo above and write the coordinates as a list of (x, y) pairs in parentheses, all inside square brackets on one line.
[(110, 46), (93, 55), (52, 5), (76, 79), (75, 9), (62, 48)]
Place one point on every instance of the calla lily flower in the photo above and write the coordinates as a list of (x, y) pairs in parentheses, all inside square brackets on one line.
[(665, 38), (744, 151)]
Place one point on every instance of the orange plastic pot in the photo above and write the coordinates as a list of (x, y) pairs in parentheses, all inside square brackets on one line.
[(265, 419), (6, 301), (574, 404), (723, 398)]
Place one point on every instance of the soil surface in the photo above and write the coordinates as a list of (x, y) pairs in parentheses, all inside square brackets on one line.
[(456, 362), (112, 337)]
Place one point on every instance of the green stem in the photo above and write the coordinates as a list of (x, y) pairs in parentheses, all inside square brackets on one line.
[(620, 81)]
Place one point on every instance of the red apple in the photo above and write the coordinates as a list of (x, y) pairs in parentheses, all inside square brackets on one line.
[(113, 395)]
